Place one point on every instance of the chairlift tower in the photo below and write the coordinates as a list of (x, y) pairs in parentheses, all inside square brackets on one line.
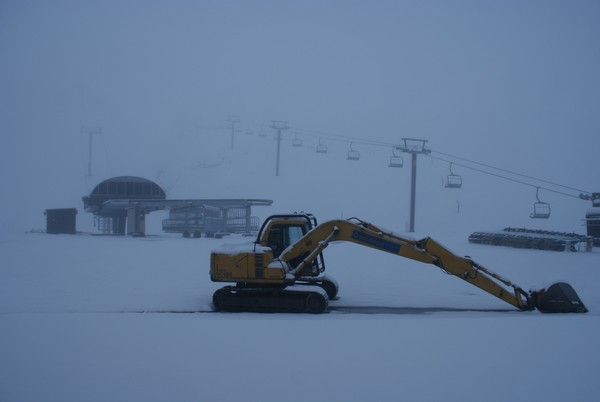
[(232, 120), (90, 131), (414, 147), (279, 126)]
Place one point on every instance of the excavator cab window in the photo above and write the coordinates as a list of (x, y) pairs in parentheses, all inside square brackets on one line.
[(275, 241), (282, 235), (295, 233)]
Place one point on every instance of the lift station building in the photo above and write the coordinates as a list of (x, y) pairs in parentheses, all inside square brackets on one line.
[(120, 205)]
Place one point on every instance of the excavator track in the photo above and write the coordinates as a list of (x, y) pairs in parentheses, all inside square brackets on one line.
[(325, 282), (236, 299)]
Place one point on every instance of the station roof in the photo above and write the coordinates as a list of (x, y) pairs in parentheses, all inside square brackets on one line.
[(118, 194), (155, 205), (122, 188)]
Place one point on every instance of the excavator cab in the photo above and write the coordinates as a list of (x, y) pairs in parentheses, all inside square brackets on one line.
[(280, 231)]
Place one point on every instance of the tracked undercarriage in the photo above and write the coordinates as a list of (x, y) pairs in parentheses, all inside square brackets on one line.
[(289, 300), (305, 295)]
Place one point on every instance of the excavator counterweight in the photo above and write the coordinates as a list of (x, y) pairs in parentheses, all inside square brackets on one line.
[(282, 271)]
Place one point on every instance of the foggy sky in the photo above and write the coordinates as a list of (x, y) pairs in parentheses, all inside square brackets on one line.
[(511, 83)]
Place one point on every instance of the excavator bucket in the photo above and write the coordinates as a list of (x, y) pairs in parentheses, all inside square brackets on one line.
[(560, 298)]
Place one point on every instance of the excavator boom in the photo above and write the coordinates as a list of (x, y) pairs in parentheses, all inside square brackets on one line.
[(297, 263)]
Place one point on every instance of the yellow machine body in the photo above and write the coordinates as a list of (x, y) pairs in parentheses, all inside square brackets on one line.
[(245, 266)]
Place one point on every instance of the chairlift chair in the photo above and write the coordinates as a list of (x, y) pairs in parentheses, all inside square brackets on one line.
[(297, 142), (353, 155), (396, 160), (321, 148), (541, 210), (453, 180)]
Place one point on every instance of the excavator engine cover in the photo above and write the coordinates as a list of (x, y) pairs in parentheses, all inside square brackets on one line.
[(561, 298)]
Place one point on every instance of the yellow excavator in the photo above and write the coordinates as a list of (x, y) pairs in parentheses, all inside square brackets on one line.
[(283, 270)]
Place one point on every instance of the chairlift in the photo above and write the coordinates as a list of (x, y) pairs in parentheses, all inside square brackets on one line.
[(353, 155), (321, 148), (541, 210), (453, 180), (297, 142), (396, 160)]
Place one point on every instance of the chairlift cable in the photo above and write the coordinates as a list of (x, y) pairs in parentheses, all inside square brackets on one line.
[(356, 140), (506, 178), (511, 172), (340, 138)]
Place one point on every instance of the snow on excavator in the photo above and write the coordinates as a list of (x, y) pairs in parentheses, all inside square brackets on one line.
[(283, 270)]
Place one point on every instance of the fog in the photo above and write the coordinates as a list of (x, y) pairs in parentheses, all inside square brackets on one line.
[(512, 84)]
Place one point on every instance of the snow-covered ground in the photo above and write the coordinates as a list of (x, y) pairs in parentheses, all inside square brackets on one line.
[(82, 319)]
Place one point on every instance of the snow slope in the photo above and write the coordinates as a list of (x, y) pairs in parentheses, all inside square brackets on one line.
[(82, 319)]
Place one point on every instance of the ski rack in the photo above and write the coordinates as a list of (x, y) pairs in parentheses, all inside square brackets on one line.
[(534, 239)]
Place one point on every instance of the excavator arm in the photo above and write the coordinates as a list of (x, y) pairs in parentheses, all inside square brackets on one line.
[(559, 297)]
